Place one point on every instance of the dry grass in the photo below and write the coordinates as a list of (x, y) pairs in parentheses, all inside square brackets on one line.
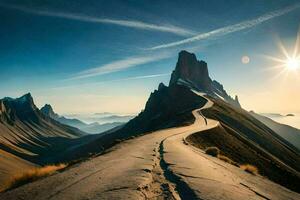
[(249, 168), (32, 175), (213, 151)]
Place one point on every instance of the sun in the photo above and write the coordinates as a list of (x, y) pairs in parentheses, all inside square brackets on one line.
[(293, 63), (289, 63)]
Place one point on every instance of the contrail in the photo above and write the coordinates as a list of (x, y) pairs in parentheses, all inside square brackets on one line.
[(144, 77), (119, 65), (114, 80), (126, 23), (230, 29)]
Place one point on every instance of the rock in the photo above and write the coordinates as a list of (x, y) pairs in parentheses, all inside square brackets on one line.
[(192, 71), (194, 74)]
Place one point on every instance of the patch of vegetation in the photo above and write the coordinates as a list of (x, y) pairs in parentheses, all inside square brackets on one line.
[(32, 175), (249, 168), (212, 151), (216, 152)]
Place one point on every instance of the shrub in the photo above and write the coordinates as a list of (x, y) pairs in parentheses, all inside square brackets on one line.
[(32, 175), (249, 168), (213, 151)]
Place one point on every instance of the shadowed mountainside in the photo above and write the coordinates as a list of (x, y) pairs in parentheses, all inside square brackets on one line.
[(27, 136), (246, 140)]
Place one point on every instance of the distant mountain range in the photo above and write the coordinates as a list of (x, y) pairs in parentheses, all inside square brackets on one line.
[(287, 132), (88, 128), (101, 118)]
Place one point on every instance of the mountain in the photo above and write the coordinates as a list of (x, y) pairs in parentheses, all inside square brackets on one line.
[(165, 108), (291, 134), (28, 137), (92, 128), (194, 74), (100, 128), (48, 111), (239, 135)]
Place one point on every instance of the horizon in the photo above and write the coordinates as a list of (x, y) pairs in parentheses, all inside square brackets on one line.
[(84, 59)]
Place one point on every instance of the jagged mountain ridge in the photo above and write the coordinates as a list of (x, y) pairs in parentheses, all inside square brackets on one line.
[(25, 130), (194, 74), (28, 137)]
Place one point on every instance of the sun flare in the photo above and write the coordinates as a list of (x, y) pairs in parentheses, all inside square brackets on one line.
[(290, 63), (293, 63)]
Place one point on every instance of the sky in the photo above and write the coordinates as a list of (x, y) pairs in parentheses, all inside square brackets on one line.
[(108, 56)]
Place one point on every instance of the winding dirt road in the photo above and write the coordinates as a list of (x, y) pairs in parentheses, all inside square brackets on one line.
[(160, 165)]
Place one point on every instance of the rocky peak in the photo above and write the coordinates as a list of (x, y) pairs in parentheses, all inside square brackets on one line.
[(48, 111), (191, 71), (194, 74), (161, 86), (22, 108)]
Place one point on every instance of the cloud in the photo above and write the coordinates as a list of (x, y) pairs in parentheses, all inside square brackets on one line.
[(109, 81), (120, 65), (230, 29), (143, 77), (126, 23)]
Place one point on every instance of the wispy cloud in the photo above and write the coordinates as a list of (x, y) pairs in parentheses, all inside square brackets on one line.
[(109, 81), (143, 77), (126, 23), (119, 65), (230, 29)]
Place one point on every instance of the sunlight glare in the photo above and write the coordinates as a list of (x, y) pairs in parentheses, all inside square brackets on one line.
[(293, 63)]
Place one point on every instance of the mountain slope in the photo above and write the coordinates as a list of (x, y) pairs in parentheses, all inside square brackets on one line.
[(246, 140), (287, 132), (27, 136)]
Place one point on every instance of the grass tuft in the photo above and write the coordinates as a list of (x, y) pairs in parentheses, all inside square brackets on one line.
[(213, 151), (249, 168), (31, 175)]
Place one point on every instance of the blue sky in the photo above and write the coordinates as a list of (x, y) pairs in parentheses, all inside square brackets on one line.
[(109, 55)]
